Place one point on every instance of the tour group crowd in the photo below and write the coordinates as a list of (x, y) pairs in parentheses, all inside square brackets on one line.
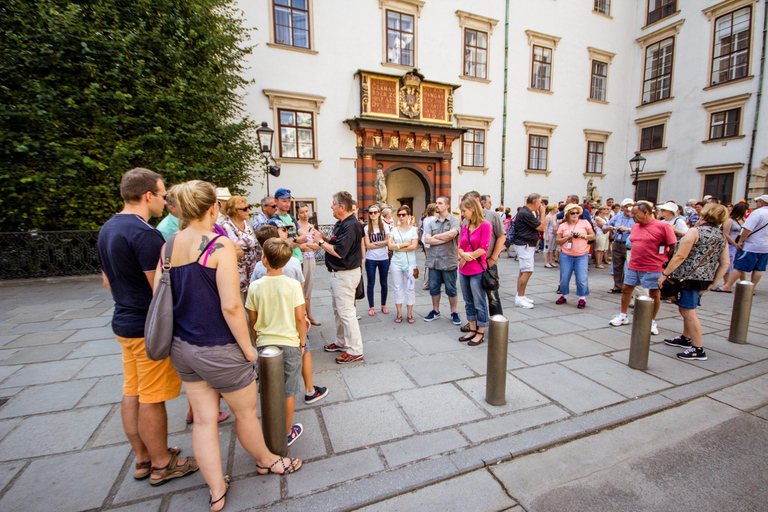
[(243, 282)]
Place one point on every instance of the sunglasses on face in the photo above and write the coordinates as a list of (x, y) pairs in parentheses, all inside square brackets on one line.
[(161, 195), (402, 214), (373, 212), (573, 213), (244, 209)]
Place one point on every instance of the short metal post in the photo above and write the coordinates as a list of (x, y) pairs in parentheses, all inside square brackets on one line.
[(640, 342), (272, 391), (496, 377), (742, 308)]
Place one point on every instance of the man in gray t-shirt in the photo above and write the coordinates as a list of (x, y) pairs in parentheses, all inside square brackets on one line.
[(442, 261)]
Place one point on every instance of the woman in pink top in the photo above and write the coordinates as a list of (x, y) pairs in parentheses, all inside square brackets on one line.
[(474, 241), (572, 236)]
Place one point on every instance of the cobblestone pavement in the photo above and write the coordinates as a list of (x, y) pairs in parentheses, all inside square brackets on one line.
[(411, 415)]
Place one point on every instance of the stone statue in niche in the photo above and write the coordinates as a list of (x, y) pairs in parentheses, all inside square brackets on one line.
[(381, 187), (593, 196)]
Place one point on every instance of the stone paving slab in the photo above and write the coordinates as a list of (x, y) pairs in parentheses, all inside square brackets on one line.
[(423, 446), (7, 426), (333, 471), (101, 366), (39, 338), (39, 354), (47, 398), (426, 407), (435, 369), (42, 373), (476, 359), (96, 348), (574, 345), (616, 376), (364, 422), (375, 379), (517, 394), (244, 494), (510, 423), (534, 352), (746, 396)]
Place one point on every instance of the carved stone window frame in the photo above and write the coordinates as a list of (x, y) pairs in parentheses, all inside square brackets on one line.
[(647, 122), (476, 123), (721, 105), (672, 31), (732, 168), (541, 129), (273, 38), (482, 24), (601, 136), (596, 54), (289, 100), (411, 7), (713, 13), (546, 41)]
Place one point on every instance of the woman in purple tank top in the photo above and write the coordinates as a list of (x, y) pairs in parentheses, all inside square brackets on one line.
[(211, 347)]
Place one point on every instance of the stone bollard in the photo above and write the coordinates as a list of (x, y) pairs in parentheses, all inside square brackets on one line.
[(272, 391), (742, 308), (640, 342), (496, 377)]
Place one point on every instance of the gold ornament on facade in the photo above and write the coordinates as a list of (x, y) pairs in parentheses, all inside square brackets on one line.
[(409, 143), (440, 146), (394, 141), (425, 144), (359, 140), (450, 105), (377, 140), (365, 99), (410, 96)]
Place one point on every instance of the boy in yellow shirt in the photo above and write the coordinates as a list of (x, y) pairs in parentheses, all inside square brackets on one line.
[(276, 313)]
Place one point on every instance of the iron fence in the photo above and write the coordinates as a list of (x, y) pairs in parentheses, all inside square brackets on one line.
[(37, 254)]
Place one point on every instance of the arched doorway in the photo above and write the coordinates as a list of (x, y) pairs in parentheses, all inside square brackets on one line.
[(405, 186)]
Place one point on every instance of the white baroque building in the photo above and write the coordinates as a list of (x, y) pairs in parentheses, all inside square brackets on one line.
[(510, 97)]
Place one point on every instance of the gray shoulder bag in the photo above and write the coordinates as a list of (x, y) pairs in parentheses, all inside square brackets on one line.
[(158, 328)]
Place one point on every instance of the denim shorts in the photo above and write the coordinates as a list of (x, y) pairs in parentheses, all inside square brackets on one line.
[(689, 299), (751, 261), (648, 280), (439, 277)]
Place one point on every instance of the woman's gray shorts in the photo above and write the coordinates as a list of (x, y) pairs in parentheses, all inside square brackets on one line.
[(294, 385), (223, 367)]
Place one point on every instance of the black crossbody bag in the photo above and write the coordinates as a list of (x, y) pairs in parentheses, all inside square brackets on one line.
[(490, 278)]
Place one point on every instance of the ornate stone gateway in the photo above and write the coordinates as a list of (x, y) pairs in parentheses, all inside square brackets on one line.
[(405, 122)]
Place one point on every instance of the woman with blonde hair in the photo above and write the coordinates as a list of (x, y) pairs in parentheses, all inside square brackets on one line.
[(732, 229), (474, 243), (403, 242), (573, 236), (239, 230), (701, 260), (308, 253), (211, 348), (601, 237)]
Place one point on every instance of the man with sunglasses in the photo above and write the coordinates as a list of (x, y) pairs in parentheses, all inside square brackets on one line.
[(295, 239), (268, 209)]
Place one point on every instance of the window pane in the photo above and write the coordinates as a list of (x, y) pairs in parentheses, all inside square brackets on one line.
[(479, 156), (393, 20), (407, 23), (304, 118), (282, 34), (305, 150), (470, 37), (301, 38), (305, 136), (300, 21), (287, 135), (482, 40), (300, 4), (286, 118), (283, 2), (288, 150), (282, 16)]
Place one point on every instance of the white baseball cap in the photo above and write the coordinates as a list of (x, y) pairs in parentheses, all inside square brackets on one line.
[(763, 198), (627, 201), (670, 207)]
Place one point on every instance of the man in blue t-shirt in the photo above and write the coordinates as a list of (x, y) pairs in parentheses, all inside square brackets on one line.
[(295, 236), (129, 251)]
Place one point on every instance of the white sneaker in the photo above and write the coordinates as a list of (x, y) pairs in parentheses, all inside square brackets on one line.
[(654, 327), (526, 299), (522, 303), (620, 319)]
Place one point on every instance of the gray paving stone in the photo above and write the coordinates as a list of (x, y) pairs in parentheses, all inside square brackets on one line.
[(575, 345), (8, 470), (539, 311), (748, 395), (476, 358), (388, 350), (6, 426), (617, 376), (675, 324), (39, 354), (667, 368), (143, 506), (43, 373), (700, 387), (717, 362), (43, 485), (24, 318), (445, 341), (568, 388), (72, 314), (101, 366), (762, 412), (52, 433), (46, 398), (36, 327), (7, 338), (96, 348), (7, 353), (7, 371), (557, 325), (39, 338), (524, 331), (518, 395), (85, 323), (131, 490), (331, 379), (423, 446), (375, 379), (438, 406), (451, 496), (435, 369), (332, 471), (588, 321), (622, 412), (111, 431), (97, 333), (534, 352), (243, 494), (364, 422), (109, 390), (608, 336), (504, 425), (752, 370), (746, 352)]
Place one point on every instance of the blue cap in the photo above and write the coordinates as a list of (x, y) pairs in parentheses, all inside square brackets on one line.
[(282, 193)]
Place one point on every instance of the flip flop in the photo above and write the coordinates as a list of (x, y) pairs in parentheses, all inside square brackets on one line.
[(398, 319), (411, 320), (720, 290)]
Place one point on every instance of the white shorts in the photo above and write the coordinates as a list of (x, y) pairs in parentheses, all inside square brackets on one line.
[(525, 257)]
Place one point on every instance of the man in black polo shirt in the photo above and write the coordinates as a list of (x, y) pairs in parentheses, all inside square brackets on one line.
[(527, 229), (344, 259)]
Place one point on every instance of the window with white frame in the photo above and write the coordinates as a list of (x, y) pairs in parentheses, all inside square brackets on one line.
[(542, 68), (400, 38), (599, 80), (657, 80), (730, 55), (603, 7), (652, 131), (473, 148), (295, 118), (296, 134), (595, 152), (725, 117), (475, 53), (660, 9), (538, 151)]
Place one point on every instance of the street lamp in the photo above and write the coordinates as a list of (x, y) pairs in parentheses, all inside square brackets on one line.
[(265, 134), (636, 163)]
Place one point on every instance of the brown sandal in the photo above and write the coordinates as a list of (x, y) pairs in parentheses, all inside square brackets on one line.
[(411, 320), (212, 502), (173, 470), (287, 470), (144, 469)]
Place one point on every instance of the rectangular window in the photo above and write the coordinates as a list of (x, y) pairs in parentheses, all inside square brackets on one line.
[(542, 68), (648, 190), (724, 124), (599, 80), (292, 23), (603, 6), (400, 42), (719, 186), (537, 152), (473, 148), (652, 137), (595, 157), (658, 9), (296, 134), (475, 53), (657, 83), (730, 57)]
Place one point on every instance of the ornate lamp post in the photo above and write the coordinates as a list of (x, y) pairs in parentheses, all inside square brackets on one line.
[(265, 134), (636, 163)]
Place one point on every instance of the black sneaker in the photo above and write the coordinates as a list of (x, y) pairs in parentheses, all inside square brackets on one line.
[(465, 328), (693, 353), (679, 341), (320, 392)]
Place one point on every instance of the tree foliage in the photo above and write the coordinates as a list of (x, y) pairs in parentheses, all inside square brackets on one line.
[(90, 89)]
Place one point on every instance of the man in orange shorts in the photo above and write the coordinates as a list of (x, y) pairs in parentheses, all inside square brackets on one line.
[(129, 249)]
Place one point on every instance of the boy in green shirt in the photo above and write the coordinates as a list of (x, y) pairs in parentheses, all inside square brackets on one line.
[(276, 313)]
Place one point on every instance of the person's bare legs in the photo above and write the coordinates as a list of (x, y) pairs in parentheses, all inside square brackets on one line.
[(308, 302), (409, 308), (435, 303), (656, 296), (626, 296), (599, 257), (736, 275), (691, 326), (153, 430), (129, 411), (399, 309), (756, 276), (290, 403), (306, 373), (453, 301), (522, 282)]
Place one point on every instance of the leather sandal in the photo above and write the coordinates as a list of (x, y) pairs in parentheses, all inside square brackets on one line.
[(474, 343), (470, 334), (212, 502), (398, 319), (173, 470), (411, 320), (294, 466), (144, 469)]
